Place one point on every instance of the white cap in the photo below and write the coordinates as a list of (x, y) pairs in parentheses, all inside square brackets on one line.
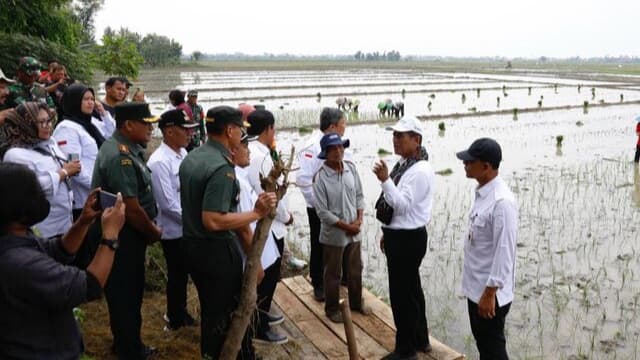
[(5, 79), (408, 123)]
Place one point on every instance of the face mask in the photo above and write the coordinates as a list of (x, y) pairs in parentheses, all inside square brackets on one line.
[(38, 211)]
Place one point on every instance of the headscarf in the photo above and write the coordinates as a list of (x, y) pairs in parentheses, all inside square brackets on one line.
[(72, 108), (20, 127)]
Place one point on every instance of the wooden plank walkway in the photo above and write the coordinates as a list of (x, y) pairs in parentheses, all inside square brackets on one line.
[(313, 336)]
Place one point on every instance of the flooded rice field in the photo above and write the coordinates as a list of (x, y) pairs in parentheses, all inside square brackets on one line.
[(297, 97), (578, 274), (578, 287)]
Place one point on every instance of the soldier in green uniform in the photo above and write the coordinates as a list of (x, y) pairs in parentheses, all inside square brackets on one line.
[(120, 167), (209, 196), (26, 88), (199, 135)]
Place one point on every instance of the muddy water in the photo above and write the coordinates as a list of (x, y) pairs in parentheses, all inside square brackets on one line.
[(578, 290)]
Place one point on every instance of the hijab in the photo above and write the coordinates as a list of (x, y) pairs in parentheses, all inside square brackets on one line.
[(72, 108), (20, 127)]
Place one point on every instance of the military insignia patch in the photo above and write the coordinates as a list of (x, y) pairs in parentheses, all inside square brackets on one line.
[(126, 162), (231, 175)]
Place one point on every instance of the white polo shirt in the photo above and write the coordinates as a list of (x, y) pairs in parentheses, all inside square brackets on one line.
[(490, 245), (165, 166)]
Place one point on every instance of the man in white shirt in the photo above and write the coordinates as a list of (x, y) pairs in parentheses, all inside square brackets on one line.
[(263, 130), (488, 276), (332, 120), (408, 192), (165, 164)]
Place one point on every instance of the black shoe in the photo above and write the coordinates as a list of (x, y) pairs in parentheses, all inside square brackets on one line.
[(148, 351), (318, 294), (189, 320), (274, 319), (395, 356), (271, 337)]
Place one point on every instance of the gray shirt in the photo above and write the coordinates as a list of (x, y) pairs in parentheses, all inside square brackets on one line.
[(338, 197)]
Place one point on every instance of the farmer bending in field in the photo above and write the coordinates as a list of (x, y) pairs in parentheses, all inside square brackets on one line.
[(488, 276)]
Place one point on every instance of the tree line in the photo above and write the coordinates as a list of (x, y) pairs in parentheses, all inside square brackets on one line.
[(392, 55), (64, 30)]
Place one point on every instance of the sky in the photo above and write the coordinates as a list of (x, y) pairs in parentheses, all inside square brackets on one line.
[(474, 28)]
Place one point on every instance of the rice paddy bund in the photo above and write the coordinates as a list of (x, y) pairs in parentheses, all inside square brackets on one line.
[(578, 272)]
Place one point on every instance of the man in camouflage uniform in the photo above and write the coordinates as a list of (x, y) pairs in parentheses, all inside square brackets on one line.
[(120, 167), (4, 93), (26, 88), (199, 133)]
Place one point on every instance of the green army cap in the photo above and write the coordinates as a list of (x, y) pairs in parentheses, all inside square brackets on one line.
[(221, 115), (134, 111), (29, 65)]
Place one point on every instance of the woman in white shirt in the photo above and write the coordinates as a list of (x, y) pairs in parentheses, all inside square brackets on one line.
[(405, 209), (79, 135), (27, 131)]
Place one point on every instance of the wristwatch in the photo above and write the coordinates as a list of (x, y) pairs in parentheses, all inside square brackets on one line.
[(111, 244)]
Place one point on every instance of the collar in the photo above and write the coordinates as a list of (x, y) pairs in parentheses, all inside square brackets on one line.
[(262, 147), (218, 146), (134, 148), (170, 152), (488, 188), (333, 172)]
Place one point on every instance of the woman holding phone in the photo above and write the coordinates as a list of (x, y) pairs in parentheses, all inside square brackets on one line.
[(27, 130), (80, 134)]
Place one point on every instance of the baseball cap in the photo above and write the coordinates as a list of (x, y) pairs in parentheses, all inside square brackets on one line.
[(406, 124), (4, 78), (331, 139), (484, 149), (29, 65), (176, 118), (134, 111)]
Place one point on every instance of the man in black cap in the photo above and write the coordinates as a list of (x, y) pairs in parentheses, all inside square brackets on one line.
[(490, 249), (120, 167), (164, 164), (210, 195)]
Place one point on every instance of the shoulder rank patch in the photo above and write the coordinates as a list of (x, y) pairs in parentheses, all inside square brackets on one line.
[(231, 175), (126, 162), (123, 148)]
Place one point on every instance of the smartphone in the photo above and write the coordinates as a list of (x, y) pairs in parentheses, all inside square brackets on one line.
[(73, 157), (106, 199)]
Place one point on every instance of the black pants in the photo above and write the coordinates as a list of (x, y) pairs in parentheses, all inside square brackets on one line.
[(489, 333), (215, 267), (83, 255), (637, 157), (124, 290), (177, 277), (266, 289), (405, 250), (316, 266)]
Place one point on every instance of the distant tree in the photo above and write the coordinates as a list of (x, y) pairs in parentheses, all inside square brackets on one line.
[(196, 56), (159, 50), (358, 55), (118, 55), (85, 11)]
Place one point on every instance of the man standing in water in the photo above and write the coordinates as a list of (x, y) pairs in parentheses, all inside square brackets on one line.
[(488, 276)]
